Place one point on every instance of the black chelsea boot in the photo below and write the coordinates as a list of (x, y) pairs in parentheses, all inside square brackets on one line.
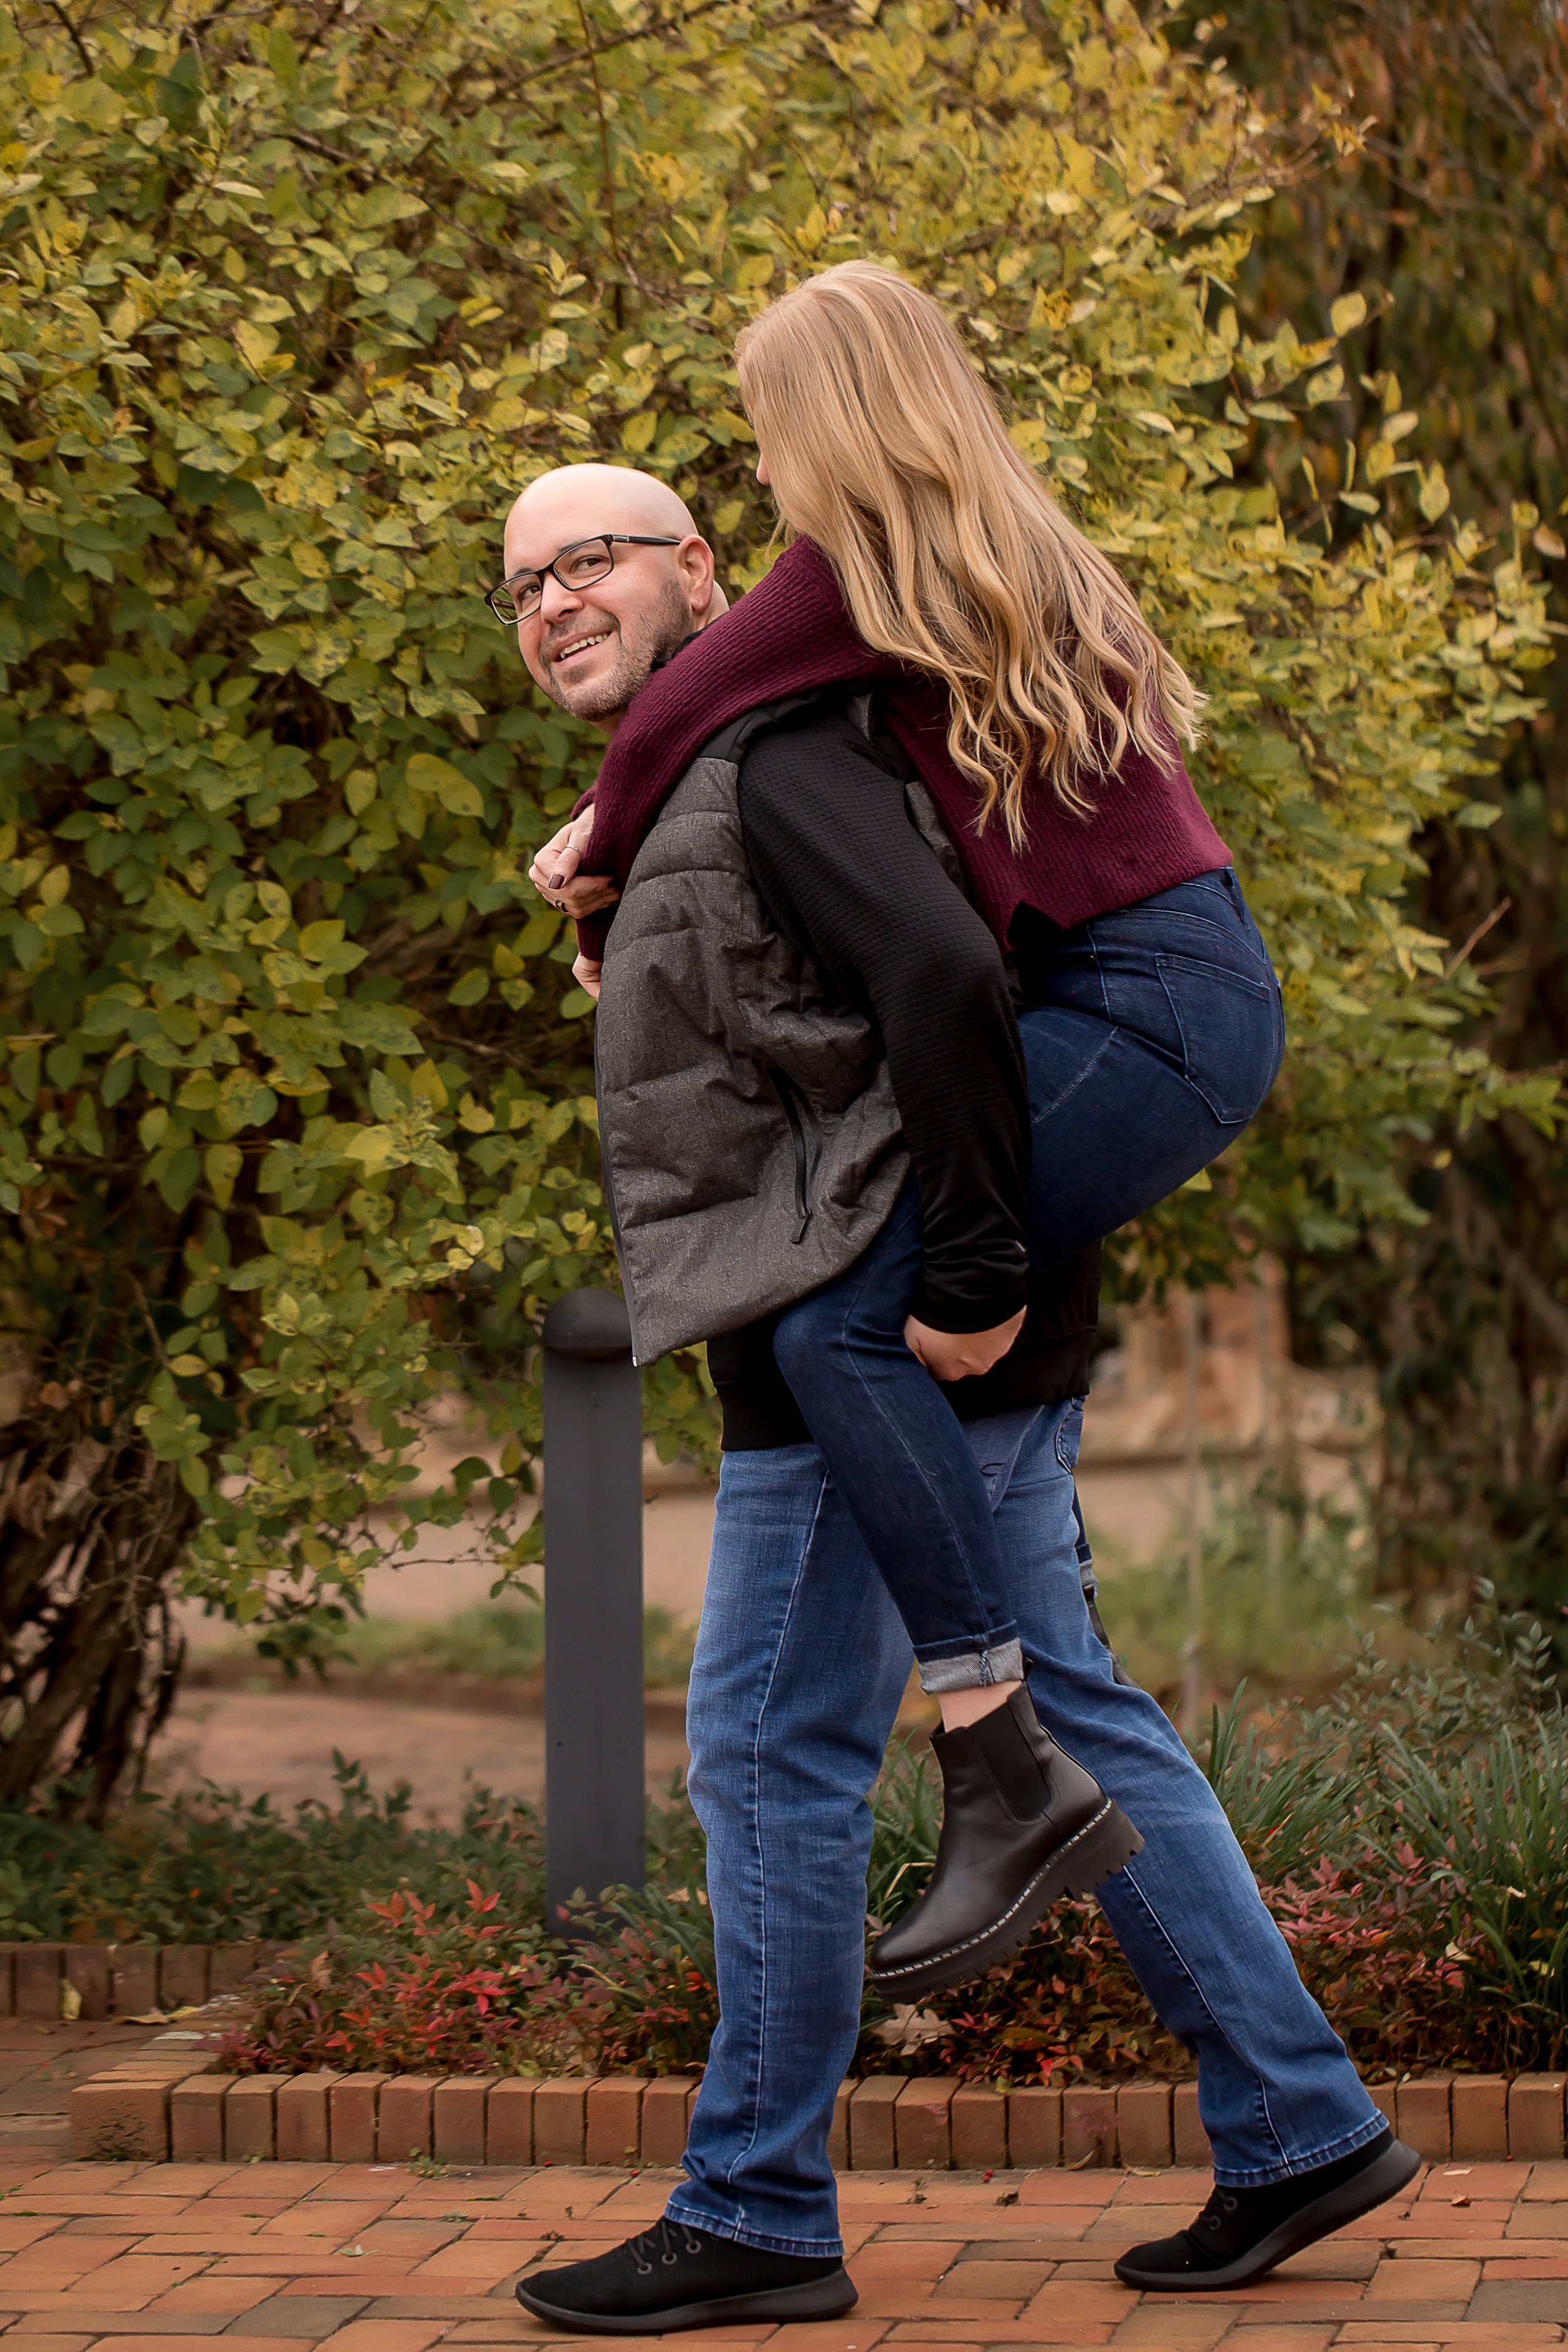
[(1022, 1825)]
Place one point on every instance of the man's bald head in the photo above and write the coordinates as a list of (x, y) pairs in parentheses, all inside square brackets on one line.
[(591, 648), (616, 497)]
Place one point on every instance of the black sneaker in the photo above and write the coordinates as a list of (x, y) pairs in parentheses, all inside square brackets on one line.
[(1242, 2233), (675, 2276)]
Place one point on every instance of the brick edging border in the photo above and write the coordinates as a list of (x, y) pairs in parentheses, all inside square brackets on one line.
[(124, 1980), (155, 2108)]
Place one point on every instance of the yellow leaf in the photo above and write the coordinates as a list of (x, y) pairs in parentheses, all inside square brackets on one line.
[(1432, 499), (638, 432), (441, 781), (372, 1147), (256, 345), (1348, 313), (222, 1162)]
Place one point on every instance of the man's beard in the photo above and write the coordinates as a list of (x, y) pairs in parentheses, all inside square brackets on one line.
[(659, 630)]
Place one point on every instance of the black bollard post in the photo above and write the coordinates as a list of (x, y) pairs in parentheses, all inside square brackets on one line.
[(593, 1735)]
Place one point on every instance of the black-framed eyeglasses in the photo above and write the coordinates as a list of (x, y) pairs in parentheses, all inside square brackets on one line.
[(577, 566)]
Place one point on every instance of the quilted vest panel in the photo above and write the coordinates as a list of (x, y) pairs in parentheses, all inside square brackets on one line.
[(751, 1141)]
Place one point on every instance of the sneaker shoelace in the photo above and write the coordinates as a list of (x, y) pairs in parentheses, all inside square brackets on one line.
[(1222, 2204), (1210, 2234), (659, 2243)]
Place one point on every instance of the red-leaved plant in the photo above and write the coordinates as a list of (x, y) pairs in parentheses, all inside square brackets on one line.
[(457, 1996)]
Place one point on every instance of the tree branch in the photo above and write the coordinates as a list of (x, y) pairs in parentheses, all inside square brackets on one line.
[(55, 9)]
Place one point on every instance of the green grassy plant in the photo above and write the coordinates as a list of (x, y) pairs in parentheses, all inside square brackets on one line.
[(502, 1640), (1287, 1591)]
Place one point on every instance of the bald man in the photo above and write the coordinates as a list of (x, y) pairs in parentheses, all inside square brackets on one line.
[(591, 642), (608, 574)]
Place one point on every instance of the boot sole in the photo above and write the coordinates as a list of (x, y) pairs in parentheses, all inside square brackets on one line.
[(1087, 1859), (823, 2298), (1392, 2171)]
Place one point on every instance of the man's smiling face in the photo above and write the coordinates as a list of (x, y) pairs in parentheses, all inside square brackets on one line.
[(591, 648)]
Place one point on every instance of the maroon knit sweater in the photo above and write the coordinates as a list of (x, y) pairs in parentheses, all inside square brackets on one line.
[(792, 633)]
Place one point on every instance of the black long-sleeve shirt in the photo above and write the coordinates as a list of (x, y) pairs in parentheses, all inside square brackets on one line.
[(844, 872)]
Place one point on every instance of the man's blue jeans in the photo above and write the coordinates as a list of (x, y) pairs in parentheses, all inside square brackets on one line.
[(1155, 1034), (800, 1665)]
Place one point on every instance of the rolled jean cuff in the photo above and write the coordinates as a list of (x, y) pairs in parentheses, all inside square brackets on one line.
[(972, 1669)]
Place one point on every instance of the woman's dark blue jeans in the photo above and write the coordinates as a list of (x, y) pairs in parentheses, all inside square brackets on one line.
[(1154, 1036)]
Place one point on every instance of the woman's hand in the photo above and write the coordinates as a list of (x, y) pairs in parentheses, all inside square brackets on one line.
[(958, 1355), (588, 974), (555, 874)]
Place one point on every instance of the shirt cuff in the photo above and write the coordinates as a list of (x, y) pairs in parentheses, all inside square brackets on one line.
[(966, 1309)]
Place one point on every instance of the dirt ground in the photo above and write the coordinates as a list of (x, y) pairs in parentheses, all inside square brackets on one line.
[(280, 1743)]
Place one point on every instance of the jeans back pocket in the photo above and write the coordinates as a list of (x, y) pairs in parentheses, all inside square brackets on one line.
[(1232, 1031)]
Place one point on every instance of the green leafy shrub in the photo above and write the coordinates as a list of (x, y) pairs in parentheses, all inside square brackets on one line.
[(295, 1115), (213, 1868)]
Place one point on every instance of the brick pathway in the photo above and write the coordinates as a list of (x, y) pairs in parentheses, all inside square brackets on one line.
[(41, 2065), (374, 2259)]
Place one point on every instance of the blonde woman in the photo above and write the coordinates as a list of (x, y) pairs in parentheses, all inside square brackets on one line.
[(1150, 1024), (925, 971)]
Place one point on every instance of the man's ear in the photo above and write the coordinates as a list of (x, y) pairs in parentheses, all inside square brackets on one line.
[(694, 561)]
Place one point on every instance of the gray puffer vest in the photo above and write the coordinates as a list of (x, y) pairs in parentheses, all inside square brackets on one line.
[(752, 1145)]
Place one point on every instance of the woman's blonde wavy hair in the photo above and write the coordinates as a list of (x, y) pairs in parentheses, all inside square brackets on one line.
[(883, 447)]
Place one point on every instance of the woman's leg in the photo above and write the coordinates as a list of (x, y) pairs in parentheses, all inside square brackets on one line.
[(899, 1456), (1158, 1039)]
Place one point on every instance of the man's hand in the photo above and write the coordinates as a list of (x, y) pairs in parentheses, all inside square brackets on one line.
[(555, 874), (958, 1355), (588, 974)]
